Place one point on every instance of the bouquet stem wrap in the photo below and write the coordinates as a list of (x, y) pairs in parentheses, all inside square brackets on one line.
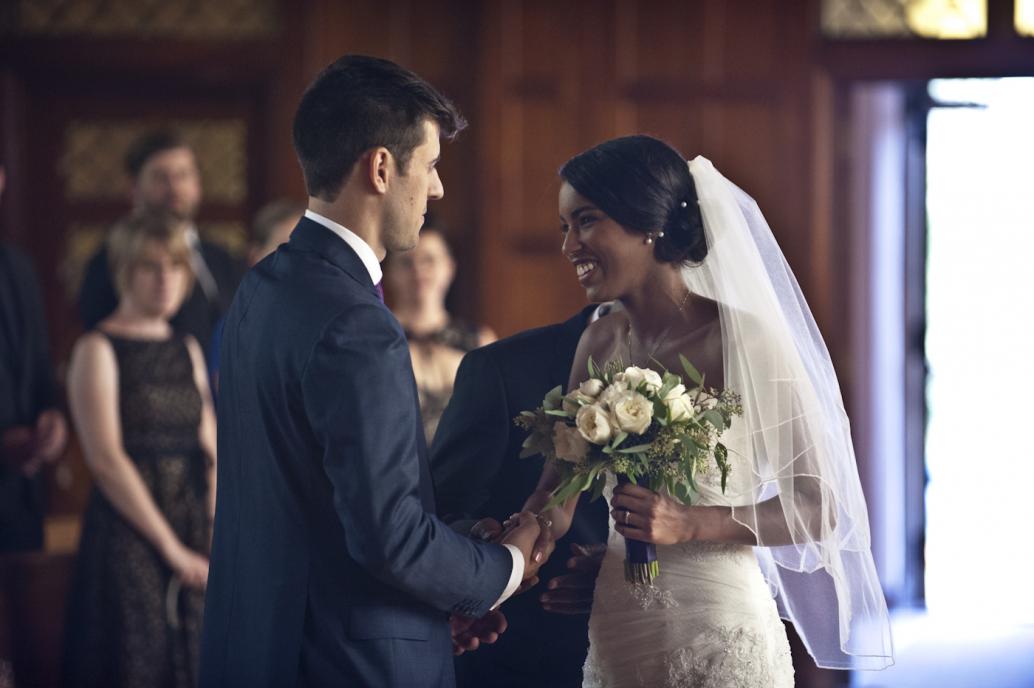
[(641, 565)]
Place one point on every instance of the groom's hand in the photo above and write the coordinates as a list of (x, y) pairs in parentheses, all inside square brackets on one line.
[(468, 634), (487, 530), (572, 592)]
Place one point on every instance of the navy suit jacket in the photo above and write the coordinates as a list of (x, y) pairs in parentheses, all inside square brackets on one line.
[(477, 472), (328, 566)]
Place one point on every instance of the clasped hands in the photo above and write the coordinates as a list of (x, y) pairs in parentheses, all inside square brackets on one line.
[(533, 537), (30, 447)]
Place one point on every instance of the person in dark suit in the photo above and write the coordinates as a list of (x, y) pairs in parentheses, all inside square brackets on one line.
[(32, 428), (328, 566), (164, 176), (477, 472)]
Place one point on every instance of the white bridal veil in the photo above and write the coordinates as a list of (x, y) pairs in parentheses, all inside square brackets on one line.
[(801, 496)]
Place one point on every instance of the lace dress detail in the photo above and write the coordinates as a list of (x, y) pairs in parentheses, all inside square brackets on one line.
[(741, 658), (708, 621), (128, 624), (456, 334)]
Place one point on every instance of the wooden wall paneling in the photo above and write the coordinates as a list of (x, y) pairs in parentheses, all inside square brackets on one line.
[(444, 46), (530, 108), (281, 176), (434, 40)]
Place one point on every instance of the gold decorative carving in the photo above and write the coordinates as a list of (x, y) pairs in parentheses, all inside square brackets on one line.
[(938, 19), (181, 19), (94, 150), (81, 242), (230, 235)]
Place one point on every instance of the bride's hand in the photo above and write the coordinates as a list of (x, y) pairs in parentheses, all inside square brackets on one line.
[(642, 514)]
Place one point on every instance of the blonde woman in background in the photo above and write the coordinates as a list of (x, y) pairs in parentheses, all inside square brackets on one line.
[(139, 398), (418, 282)]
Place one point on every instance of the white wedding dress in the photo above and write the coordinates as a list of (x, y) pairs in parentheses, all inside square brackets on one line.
[(708, 621)]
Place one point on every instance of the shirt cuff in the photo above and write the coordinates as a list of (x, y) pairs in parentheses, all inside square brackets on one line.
[(516, 575)]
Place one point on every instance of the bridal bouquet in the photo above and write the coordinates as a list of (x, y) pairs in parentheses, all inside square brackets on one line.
[(644, 426)]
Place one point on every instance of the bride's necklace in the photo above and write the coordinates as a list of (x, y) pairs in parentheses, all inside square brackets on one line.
[(660, 338)]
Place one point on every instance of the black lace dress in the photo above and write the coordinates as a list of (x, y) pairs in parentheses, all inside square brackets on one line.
[(129, 622), (457, 334)]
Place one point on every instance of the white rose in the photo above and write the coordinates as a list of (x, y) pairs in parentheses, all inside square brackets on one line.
[(591, 387), (680, 406), (653, 380), (593, 424), (568, 443), (675, 392), (613, 392), (635, 376), (575, 399), (632, 413)]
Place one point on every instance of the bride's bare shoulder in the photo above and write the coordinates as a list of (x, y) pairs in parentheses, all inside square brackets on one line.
[(608, 329), (600, 341)]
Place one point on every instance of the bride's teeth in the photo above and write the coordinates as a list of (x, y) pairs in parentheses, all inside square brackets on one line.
[(584, 268)]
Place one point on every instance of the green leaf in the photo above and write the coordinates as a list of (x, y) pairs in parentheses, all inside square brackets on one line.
[(661, 412), (634, 450), (692, 443), (721, 457), (618, 439), (558, 412), (681, 493), (714, 418), (691, 371), (597, 488), (566, 489), (593, 369), (554, 398), (690, 473)]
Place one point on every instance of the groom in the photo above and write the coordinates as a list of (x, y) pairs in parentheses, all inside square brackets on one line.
[(328, 566)]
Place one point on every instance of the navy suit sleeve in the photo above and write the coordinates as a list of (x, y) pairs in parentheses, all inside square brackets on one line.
[(471, 442), (360, 399)]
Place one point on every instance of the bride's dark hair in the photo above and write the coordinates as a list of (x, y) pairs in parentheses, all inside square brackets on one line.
[(645, 186)]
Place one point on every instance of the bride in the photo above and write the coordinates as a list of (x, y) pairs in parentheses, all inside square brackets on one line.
[(698, 273)]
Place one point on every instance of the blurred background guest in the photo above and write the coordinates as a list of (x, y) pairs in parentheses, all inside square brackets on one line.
[(165, 177), (32, 429), (139, 398), (272, 226), (418, 282)]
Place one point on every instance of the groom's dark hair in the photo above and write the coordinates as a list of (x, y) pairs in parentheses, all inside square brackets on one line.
[(359, 103)]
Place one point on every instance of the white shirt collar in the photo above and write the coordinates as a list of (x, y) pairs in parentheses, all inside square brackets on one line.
[(362, 248)]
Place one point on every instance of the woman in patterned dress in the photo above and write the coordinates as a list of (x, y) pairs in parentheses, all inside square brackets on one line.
[(140, 400)]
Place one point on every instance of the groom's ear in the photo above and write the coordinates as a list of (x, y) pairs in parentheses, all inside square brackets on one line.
[(379, 167)]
